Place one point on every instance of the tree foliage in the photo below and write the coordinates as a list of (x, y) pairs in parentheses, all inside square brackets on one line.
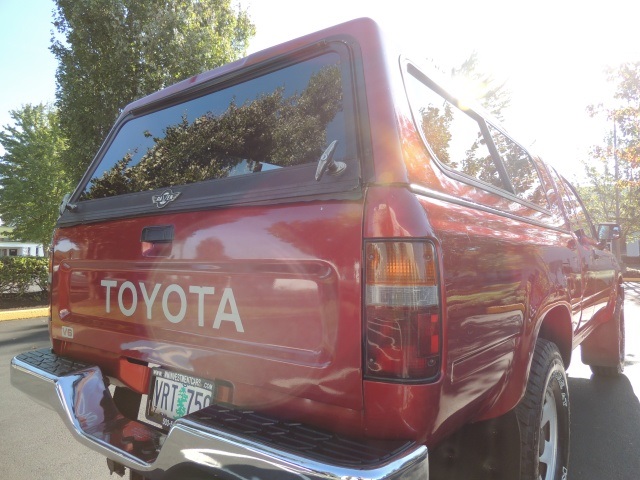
[(621, 145), (112, 52), (32, 176), (18, 274)]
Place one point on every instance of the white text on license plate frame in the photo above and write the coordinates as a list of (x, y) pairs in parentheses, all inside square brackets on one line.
[(173, 395)]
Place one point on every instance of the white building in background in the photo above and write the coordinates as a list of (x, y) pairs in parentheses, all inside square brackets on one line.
[(11, 248), (633, 248)]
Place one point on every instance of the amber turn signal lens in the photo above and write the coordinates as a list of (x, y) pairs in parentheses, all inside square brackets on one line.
[(400, 263)]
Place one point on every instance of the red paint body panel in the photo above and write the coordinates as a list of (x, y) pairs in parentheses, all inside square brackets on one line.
[(269, 296), (291, 288)]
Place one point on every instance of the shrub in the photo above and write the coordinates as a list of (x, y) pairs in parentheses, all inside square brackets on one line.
[(18, 274)]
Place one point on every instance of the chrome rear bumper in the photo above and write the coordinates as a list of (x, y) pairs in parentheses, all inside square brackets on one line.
[(240, 448)]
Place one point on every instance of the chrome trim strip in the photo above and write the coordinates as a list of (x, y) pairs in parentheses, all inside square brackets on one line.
[(85, 404), (444, 197)]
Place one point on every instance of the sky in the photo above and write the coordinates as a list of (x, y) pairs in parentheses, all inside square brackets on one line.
[(551, 54)]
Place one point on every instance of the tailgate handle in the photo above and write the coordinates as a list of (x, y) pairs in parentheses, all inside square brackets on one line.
[(157, 234)]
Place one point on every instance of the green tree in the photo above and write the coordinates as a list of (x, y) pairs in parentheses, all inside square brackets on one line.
[(32, 175), (613, 168), (112, 52)]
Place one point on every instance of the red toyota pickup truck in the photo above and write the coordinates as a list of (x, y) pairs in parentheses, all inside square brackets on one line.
[(315, 263)]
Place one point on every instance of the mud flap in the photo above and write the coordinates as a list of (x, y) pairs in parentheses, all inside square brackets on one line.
[(488, 450), (601, 347)]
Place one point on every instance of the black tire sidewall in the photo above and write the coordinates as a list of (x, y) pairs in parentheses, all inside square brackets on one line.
[(557, 384), (622, 340), (547, 375)]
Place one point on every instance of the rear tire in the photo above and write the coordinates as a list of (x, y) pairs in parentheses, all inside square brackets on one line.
[(543, 417)]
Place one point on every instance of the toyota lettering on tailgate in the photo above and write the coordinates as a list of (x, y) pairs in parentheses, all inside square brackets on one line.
[(227, 307)]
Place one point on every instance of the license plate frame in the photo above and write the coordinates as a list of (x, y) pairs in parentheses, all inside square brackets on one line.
[(173, 395)]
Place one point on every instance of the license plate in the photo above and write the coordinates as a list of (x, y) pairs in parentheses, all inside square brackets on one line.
[(173, 395)]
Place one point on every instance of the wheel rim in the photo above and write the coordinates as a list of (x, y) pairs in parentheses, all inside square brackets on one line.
[(548, 448)]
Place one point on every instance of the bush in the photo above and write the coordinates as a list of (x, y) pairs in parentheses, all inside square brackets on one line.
[(18, 274)]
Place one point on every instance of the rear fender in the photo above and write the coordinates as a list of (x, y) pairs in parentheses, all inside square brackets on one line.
[(490, 448), (555, 326)]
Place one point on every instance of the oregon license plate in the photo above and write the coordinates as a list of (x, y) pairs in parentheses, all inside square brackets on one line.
[(173, 395)]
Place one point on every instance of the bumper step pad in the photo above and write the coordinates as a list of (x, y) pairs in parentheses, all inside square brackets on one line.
[(311, 442), (51, 363)]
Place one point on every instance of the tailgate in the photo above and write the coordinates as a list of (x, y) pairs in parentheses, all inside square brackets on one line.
[(261, 296)]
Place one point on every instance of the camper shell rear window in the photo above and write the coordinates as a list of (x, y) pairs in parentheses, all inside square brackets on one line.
[(281, 119), (250, 136)]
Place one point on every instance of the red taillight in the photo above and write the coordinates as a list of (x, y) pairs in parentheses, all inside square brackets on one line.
[(402, 311)]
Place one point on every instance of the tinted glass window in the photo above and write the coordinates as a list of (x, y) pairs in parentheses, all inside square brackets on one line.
[(282, 119), (454, 136), (520, 169), (577, 214)]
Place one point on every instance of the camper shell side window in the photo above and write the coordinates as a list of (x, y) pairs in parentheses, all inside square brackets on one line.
[(470, 148)]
